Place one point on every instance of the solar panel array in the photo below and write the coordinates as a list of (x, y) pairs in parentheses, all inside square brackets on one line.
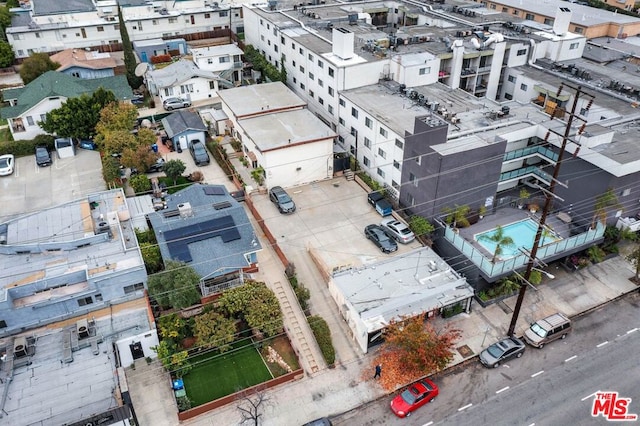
[(178, 240)]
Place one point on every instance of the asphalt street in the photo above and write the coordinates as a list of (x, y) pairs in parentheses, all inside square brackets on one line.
[(550, 386)]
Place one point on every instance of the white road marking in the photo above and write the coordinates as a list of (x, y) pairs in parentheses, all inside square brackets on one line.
[(602, 344), (589, 396), (503, 389), (465, 407), (428, 424), (532, 424), (571, 358), (632, 330), (538, 373)]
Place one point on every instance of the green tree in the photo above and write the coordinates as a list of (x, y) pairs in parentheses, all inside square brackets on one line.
[(172, 328), (12, 3), (36, 65), (110, 170), (500, 239), (173, 359), (603, 202), (140, 183), (322, 333), (457, 216), (5, 20), (152, 257), (117, 116), (176, 287), (413, 349), (6, 55), (634, 258), (129, 58), (256, 304), (213, 330), (174, 169), (78, 117), (140, 157), (420, 226)]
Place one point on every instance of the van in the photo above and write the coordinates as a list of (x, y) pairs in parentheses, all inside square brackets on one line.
[(548, 329)]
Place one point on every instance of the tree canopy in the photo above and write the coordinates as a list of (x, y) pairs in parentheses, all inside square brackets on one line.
[(78, 117), (174, 169), (176, 287), (501, 239), (36, 65), (213, 330), (6, 54), (256, 304), (413, 349), (129, 58)]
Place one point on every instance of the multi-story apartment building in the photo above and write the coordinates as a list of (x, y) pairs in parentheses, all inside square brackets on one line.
[(50, 26)]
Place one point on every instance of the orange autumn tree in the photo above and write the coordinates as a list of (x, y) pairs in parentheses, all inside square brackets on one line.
[(413, 349)]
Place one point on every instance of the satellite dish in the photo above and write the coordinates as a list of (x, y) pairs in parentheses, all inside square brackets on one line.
[(141, 69)]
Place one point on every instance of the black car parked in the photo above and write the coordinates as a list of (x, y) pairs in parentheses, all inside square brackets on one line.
[(199, 153), (280, 198), (380, 238), (43, 157)]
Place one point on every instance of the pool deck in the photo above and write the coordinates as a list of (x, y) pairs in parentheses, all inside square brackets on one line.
[(505, 216)]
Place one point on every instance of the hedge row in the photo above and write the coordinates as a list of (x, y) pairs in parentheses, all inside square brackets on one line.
[(26, 147), (323, 337)]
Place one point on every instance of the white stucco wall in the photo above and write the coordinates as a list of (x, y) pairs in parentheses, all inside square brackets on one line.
[(148, 340)]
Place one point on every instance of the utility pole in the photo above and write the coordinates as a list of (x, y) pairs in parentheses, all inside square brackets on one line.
[(550, 193)]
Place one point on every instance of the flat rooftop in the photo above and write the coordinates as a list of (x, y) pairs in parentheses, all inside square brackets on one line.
[(268, 97), (406, 284)]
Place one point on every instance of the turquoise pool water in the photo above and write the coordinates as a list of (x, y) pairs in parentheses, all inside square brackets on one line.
[(523, 234)]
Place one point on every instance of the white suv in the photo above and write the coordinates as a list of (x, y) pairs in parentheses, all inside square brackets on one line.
[(173, 103)]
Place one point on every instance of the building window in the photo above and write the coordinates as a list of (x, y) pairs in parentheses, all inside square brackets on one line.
[(512, 79), (368, 122), (98, 297), (365, 161), (311, 76), (493, 6), (3, 324), (224, 59), (295, 80), (302, 86), (410, 200), (331, 72), (100, 29), (321, 101), (225, 13), (354, 112), (396, 164), (320, 63), (548, 21), (301, 51), (85, 301), (529, 16), (330, 91), (18, 36), (578, 30), (311, 93), (341, 121), (207, 15), (508, 96), (310, 57), (573, 46), (523, 87), (367, 142), (380, 172), (30, 120), (395, 185), (521, 52), (173, 20), (342, 102), (330, 109), (413, 179), (399, 144), (381, 153), (383, 132), (320, 83), (424, 71), (133, 288), (515, 11), (38, 35), (417, 157), (301, 69)]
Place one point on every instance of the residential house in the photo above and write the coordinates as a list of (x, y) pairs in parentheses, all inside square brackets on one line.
[(184, 126), (182, 79), (226, 60), (147, 49), (51, 26), (278, 134), (414, 283), (68, 261), (209, 230), (29, 105), (83, 63)]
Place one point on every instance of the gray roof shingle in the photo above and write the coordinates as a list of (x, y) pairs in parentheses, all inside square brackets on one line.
[(182, 121)]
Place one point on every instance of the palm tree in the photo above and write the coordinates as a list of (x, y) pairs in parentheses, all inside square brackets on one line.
[(500, 239), (603, 202)]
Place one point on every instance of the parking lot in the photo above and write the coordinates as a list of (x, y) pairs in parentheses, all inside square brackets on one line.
[(32, 188), (331, 217)]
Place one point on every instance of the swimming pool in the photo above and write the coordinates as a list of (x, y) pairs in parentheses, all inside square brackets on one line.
[(523, 234)]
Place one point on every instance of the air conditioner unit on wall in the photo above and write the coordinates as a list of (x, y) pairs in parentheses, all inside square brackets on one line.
[(20, 347)]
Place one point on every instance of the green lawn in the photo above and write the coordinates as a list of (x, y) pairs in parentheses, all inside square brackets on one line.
[(224, 374), (181, 183)]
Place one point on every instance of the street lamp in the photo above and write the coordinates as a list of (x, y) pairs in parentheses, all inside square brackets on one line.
[(549, 275)]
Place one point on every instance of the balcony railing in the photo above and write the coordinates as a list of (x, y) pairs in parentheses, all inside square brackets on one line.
[(547, 153), (506, 266), (530, 170)]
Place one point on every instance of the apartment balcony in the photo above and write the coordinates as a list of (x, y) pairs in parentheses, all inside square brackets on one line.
[(532, 151), (525, 172)]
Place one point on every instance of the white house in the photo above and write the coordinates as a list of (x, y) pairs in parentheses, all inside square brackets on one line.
[(184, 79), (225, 60), (279, 134)]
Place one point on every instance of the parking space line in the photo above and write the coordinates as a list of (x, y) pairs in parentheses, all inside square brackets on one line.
[(503, 389), (589, 396), (571, 358), (632, 330), (602, 344), (428, 424), (538, 373), (465, 407)]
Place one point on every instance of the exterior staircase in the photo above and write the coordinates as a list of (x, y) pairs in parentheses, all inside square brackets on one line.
[(349, 175)]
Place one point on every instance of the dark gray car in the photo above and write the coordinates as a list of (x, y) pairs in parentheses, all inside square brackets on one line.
[(505, 349), (43, 157), (379, 236), (199, 153), (280, 198)]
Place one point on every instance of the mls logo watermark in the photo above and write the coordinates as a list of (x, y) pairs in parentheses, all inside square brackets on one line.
[(612, 407)]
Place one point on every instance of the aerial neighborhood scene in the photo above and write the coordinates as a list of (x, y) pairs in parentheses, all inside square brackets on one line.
[(319, 213)]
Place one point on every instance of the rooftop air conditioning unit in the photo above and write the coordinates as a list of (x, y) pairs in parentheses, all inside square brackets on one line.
[(185, 209), (82, 327), (20, 347)]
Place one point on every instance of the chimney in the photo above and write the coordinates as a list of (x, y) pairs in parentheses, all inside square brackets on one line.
[(343, 43), (562, 21)]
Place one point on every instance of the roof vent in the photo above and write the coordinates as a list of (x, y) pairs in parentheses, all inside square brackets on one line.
[(82, 327), (185, 210)]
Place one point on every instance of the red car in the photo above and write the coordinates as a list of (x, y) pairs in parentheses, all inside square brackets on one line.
[(414, 397)]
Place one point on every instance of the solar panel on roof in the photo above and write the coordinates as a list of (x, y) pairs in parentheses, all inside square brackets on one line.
[(178, 239), (213, 190), (171, 213), (222, 205), (230, 235)]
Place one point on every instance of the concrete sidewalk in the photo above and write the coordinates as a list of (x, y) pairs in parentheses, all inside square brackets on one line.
[(333, 391)]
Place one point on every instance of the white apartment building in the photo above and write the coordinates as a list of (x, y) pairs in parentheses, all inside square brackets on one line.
[(51, 26), (225, 60)]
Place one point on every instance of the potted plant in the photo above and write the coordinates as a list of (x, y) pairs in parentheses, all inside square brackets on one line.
[(533, 208), (524, 195)]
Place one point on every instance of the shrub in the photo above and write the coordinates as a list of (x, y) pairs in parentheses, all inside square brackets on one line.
[(183, 403), (322, 334), (26, 147), (221, 158)]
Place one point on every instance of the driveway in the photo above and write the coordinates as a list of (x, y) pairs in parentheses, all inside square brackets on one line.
[(32, 188)]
